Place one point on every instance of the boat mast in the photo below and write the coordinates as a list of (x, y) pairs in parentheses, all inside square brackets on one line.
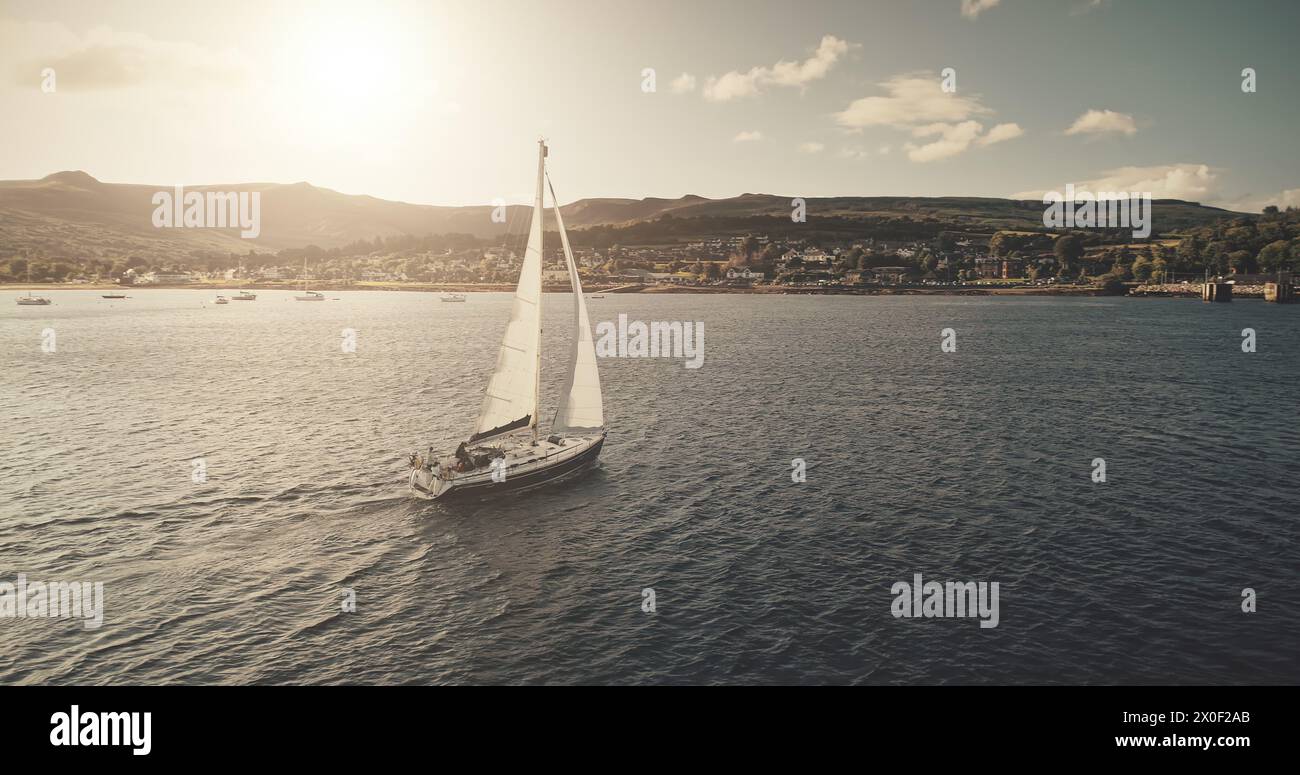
[(537, 372)]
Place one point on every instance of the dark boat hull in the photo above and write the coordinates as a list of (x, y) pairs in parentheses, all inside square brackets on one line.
[(528, 481)]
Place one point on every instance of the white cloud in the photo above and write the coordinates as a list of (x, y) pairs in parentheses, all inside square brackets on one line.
[(1168, 181), (1193, 182), (914, 98), (1096, 122), (1000, 133), (953, 139), (748, 136), (917, 103), (735, 84), (1254, 204), (1285, 199), (104, 58), (683, 83), (858, 153), (972, 8), (811, 148)]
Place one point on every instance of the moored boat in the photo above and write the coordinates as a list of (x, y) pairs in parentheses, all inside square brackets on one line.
[(307, 295), (29, 300)]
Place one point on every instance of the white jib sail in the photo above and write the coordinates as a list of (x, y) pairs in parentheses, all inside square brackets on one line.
[(581, 408), (511, 399)]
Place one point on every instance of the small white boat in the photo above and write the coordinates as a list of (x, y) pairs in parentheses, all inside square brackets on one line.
[(244, 296), (454, 297), (29, 300), (307, 295), (222, 300), (505, 453)]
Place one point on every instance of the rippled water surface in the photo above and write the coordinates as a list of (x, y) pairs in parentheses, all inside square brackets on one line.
[(973, 465)]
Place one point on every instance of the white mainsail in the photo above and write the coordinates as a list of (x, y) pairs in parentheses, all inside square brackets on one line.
[(581, 408), (511, 399)]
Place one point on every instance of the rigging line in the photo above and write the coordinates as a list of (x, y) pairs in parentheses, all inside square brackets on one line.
[(563, 238)]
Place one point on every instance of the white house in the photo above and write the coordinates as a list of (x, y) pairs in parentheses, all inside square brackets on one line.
[(743, 273)]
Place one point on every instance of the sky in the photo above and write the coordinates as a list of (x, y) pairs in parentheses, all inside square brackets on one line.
[(442, 102)]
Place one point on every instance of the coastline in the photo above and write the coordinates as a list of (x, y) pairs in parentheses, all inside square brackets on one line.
[(778, 290), (1147, 290)]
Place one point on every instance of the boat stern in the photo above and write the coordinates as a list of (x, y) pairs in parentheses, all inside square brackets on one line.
[(425, 484)]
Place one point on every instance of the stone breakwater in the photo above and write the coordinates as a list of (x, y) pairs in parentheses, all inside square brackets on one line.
[(1194, 290)]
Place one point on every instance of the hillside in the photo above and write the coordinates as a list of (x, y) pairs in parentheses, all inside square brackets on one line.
[(73, 215)]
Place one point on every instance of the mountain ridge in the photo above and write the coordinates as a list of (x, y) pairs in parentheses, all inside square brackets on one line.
[(71, 211)]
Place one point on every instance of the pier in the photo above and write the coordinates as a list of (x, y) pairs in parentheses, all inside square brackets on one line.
[(1279, 293), (1216, 292)]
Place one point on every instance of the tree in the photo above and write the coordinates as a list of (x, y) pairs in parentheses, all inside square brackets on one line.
[(1068, 250), (1215, 256), (1189, 251), (1240, 261), (1160, 270), (1141, 269), (1113, 286), (998, 243), (1274, 256), (770, 255)]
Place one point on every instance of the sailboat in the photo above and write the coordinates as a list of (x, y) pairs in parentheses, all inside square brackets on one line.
[(506, 452), (306, 294), (29, 300)]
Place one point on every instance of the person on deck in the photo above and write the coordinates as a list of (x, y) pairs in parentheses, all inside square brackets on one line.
[(466, 460)]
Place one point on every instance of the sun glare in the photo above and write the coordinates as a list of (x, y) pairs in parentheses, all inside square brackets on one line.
[(348, 73)]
